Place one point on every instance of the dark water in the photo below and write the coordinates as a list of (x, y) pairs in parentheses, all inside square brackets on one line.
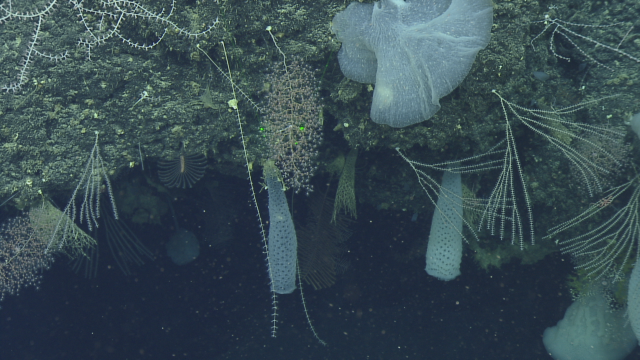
[(219, 306)]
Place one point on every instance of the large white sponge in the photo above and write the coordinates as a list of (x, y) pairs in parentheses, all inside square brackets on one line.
[(634, 122), (633, 300), (590, 330)]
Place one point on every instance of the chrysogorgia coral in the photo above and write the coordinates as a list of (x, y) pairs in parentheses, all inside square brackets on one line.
[(101, 21), (59, 231), (22, 256), (293, 123), (609, 168)]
